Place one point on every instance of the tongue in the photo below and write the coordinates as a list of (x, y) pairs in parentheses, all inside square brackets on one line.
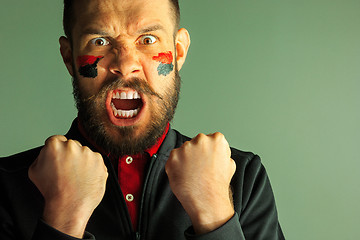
[(127, 104)]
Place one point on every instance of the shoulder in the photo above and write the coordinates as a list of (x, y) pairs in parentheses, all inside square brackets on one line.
[(14, 180), (180, 138), (21, 203), (19, 161), (244, 158)]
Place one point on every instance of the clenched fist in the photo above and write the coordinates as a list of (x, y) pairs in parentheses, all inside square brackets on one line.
[(199, 174), (72, 180)]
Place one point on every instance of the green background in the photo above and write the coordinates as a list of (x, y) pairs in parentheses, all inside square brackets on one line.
[(279, 78)]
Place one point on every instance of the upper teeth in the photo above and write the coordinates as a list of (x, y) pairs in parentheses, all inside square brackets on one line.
[(126, 95)]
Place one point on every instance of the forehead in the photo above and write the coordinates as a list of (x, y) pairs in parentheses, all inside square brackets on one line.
[(117, 15)]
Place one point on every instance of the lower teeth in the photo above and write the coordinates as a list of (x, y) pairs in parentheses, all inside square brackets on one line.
[(124, 113)]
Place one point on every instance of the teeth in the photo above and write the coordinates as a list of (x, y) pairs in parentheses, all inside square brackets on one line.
[(113, 106), (123, 95), (130, 95), (114, 109), (124, 113), (126, 95)]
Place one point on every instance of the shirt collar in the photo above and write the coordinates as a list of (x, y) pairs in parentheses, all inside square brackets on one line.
[(152, 150)]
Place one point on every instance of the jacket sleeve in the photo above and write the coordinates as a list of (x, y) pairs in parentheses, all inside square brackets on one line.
[(230, 230), (21, 204), (256, 215), (44, 232), (6, 224)]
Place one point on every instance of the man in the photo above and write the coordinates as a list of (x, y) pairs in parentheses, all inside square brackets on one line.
[(121, 172)]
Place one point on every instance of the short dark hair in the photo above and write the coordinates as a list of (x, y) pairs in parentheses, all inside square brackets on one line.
[(69, 17)]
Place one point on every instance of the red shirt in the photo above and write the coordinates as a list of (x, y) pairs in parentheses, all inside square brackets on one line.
[(131, 173)]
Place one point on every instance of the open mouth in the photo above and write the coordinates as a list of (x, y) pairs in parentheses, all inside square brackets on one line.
[(126, 104)]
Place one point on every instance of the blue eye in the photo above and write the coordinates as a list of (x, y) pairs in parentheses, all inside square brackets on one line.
[(100, 41), (148, 39)]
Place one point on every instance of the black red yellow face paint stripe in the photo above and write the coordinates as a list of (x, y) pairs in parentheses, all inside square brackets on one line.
[(88, 65)]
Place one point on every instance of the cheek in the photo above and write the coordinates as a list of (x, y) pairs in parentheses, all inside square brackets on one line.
[(165, 63), (87, 65)]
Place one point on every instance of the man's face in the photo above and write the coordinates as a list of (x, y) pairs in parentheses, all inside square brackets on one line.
[(125, 70)]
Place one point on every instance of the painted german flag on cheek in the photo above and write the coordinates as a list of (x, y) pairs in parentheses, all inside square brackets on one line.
[(165, 59), (88, 65)]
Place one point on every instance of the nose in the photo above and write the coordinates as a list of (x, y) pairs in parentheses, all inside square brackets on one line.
[(126, 62)]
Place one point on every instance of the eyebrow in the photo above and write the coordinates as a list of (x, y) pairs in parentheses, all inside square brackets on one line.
[(151, 28), (93, 31)]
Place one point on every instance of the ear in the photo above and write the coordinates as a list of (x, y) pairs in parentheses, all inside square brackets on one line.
[(66, 53), (182, 43)]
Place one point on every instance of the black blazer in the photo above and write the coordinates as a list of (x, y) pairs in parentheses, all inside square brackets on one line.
[(161, 215)]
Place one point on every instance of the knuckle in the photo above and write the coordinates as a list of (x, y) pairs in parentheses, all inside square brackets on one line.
[(51, 140), (55, 138), (51, 146), (97, 160), (219, 136), (71, 142), (185, 145), (77, 143), (174, 155), (201, 136), (97, 155), (197, 138), (86, 149), (101, 163)]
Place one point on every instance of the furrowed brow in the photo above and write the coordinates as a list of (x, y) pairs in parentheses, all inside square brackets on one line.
[(93, 31), (151, 28)]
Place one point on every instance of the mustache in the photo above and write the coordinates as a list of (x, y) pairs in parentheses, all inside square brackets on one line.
[(138, 84)]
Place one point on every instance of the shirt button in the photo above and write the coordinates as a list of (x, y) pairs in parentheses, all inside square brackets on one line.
[(129, 197), (129, 160)]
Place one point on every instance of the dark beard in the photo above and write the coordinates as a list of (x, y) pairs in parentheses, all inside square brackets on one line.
[(90, 116)]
